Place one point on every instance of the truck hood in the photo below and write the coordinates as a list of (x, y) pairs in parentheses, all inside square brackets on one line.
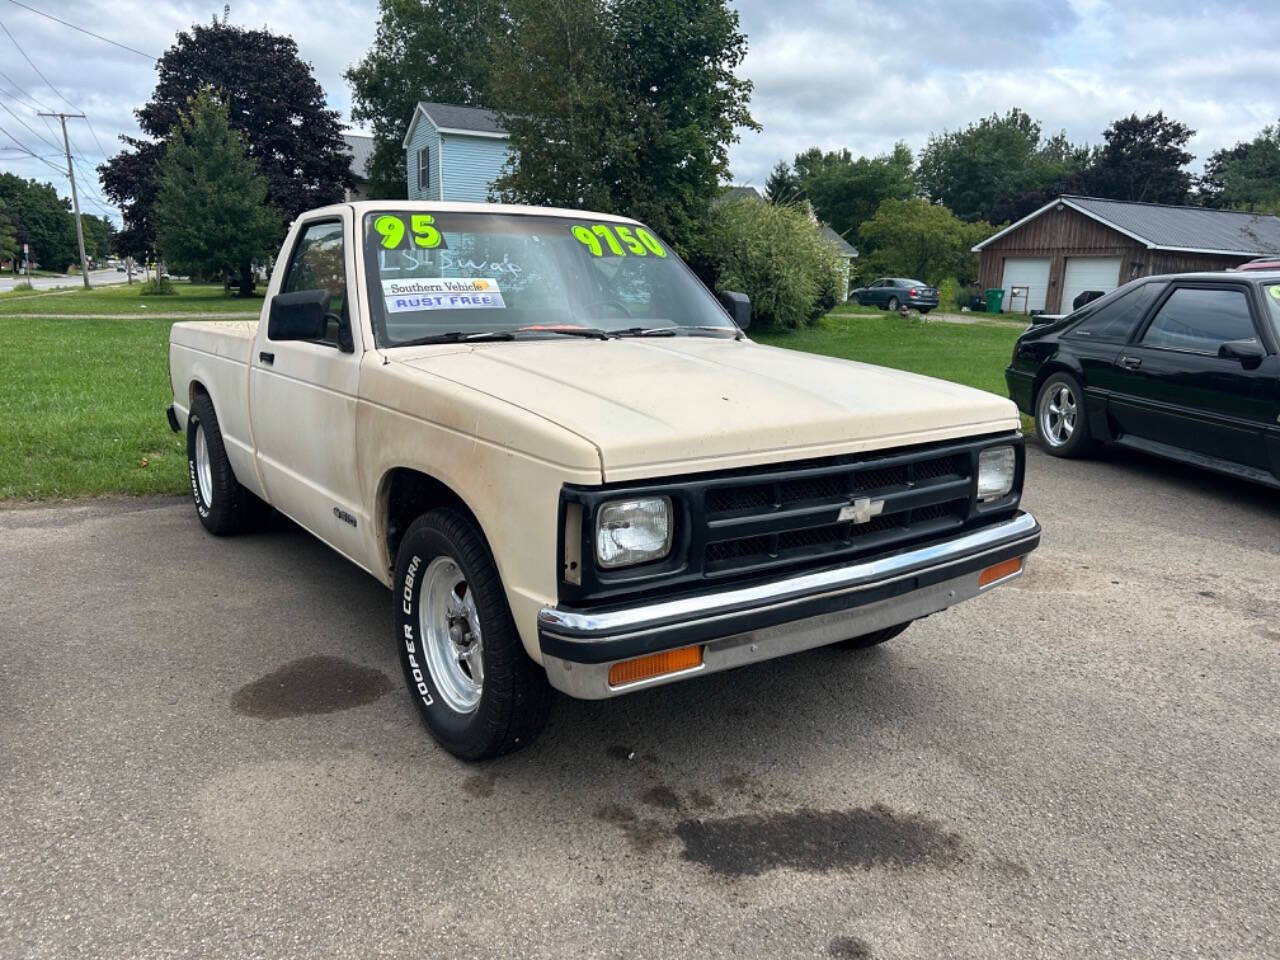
[(655, 407)]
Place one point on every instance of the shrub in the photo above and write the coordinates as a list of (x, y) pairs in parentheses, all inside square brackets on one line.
[(23, 285), (774, 254), (159, 287)]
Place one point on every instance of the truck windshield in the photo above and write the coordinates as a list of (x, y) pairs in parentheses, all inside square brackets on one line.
[(450, 276)]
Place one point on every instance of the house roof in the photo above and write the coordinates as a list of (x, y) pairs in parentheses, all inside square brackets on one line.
[(453, 119), (736, 192), (843, 246), (1165, 227), (360, 147)]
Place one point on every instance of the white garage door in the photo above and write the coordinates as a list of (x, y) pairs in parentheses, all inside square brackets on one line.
[(1029, 272), (1088, 273)]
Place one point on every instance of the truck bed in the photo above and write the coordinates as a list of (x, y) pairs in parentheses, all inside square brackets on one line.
[(232, 339)]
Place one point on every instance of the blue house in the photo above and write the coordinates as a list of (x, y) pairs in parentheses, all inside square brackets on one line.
[(453, 153)]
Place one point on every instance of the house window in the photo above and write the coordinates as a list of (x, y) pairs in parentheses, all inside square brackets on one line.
[(424, 168)]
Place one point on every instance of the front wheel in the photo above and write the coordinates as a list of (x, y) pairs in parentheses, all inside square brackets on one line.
[(1061, 423), (464, 663)]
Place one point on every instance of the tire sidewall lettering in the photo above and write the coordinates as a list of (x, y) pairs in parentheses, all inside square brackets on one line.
[(415, 672)]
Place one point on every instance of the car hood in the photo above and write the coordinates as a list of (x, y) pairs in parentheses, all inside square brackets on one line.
[(686, 404)]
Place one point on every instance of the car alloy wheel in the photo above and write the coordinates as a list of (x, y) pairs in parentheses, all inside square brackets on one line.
[(1058, 416), (450, 627)]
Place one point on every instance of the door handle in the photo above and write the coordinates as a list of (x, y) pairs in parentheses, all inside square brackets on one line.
[(1130, 363), (268, 358)]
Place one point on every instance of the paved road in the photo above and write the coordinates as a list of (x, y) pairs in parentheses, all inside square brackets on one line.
[(206, 752), (97, 278)]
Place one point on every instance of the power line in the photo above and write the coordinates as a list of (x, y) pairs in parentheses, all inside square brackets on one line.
[(31, 153), (50, 85), (48, 143), (22, 93), (90, 33)]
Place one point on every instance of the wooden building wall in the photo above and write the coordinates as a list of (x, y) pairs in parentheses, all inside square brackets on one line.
[(1062, 233)]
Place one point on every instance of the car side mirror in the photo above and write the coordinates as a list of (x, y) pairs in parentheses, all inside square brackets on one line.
[(739, 307), (298, 316), (1250, 352)]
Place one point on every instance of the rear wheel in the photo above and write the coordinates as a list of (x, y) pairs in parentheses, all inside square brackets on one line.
[(893, 304), (464, 663), (1061, 423), (224, 506), (874, 638)]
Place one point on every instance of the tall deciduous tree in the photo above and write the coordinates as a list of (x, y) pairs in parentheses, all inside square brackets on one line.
[(211, 210), (437, 50), (42, 219), (1143, 159), (926, 241), (8, 235), (272, 99), (973, 170), (846, 192), (1246, 176), (626, 106)]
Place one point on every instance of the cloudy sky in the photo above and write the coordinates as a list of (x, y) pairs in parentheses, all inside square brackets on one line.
[(855, 73)]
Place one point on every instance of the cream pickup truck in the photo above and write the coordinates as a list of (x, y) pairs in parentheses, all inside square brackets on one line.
[(572, 467)]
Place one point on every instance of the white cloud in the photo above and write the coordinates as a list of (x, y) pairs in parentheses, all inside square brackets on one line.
[(835, 73)]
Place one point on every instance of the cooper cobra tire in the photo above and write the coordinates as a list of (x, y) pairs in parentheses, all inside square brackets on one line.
[(223, 505), (873, 639), (464, 663), (1062, 424)]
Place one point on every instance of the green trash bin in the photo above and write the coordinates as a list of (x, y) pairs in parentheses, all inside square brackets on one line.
[(995, 300)]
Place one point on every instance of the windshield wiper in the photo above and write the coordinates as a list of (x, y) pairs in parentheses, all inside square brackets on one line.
[(670, 331), (594, 333), (457, 336)]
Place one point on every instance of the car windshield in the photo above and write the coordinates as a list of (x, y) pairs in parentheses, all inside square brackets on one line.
[(1271, 293), (458, 276)]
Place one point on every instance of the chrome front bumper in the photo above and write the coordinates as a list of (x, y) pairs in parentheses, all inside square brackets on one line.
[(747, 624)]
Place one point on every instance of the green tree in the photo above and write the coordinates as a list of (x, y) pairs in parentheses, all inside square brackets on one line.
[(783, 186), (774, 254), (915, 238), (211, 210), (8, 235), (273, 100), (846, 192), (42, 219), (1143, 159), (433, 50), (971, 171), (1246, 176), (99, 235), (626, 106)]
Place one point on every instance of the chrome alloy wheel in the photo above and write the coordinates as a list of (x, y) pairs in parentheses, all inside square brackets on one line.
[(450, 625), (204, 471), (1058, 414)]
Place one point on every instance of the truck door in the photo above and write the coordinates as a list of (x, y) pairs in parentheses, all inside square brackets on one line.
[(302, 393)]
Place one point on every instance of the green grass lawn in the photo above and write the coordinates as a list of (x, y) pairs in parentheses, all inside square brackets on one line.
[(974, 354), (82, 409), (82, 401), (126, 299)]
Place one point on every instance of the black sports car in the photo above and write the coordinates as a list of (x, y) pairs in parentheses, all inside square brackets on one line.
[(1185, 366)]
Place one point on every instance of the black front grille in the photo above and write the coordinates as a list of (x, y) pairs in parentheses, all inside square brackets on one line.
[(907, 498), (757, 523)]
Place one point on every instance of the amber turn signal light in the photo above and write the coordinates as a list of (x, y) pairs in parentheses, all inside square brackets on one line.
[(654, 665), (998, 571)]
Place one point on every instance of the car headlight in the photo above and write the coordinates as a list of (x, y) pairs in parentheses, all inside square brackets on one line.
[(633, 531), (996, 467)]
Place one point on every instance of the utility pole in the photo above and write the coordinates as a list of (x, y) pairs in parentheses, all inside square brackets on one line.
[(75, 200)]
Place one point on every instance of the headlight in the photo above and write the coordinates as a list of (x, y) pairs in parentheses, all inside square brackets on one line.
[(996, 467), (633, 531)]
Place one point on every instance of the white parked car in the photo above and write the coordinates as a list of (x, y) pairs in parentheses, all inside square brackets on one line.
[(571, 466)]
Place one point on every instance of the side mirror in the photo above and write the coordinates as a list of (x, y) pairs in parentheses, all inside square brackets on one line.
[(298, 316), (1250, 352), (739, 307)]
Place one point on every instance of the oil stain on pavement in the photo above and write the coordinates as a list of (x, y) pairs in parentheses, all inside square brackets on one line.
[(818, 841), (310, 685)]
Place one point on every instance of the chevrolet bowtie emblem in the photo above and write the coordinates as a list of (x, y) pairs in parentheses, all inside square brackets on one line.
[(860, 511)]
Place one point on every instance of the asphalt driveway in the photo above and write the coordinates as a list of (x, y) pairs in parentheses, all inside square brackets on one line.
[(206, 751)]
